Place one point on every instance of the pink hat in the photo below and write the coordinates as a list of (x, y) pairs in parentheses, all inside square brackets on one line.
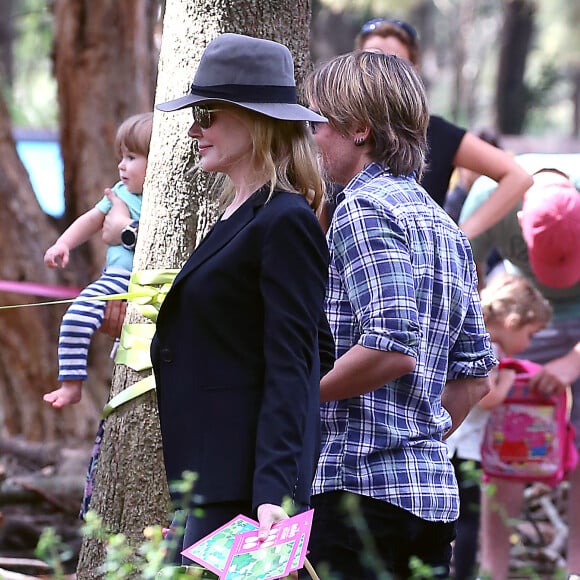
[(550, 221)]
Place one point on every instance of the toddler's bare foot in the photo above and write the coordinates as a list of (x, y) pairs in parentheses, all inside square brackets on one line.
[(69, 393)]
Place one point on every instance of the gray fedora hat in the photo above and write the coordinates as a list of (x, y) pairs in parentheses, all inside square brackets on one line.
[(252, 73)]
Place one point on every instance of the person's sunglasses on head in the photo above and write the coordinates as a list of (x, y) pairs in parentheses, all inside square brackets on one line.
[(372, 25)]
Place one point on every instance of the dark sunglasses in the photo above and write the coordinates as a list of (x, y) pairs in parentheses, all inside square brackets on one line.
[(202, 115), (373, 24), (313, 126)]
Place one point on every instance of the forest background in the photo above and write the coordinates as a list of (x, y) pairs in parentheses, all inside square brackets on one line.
[(74, 69), (466, 44)]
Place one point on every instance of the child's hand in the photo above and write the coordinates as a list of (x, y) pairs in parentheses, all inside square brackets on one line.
[(56, 253), (501, 381), (69, 393)]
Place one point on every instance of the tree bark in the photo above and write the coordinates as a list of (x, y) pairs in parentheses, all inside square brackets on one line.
[(6, 43), (575, 76), (511, 91), (29, 335), (130, 488), (104, 63)]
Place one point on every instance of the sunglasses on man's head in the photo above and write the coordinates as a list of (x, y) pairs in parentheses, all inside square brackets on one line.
[(374, 23), (202, 115)]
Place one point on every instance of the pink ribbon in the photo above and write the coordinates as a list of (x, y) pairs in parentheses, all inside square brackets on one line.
[(35, 289)]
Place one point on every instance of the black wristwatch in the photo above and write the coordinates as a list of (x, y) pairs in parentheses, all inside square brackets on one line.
[(129, 235)]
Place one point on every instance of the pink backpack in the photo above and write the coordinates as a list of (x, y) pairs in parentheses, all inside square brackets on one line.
[(529, 436)]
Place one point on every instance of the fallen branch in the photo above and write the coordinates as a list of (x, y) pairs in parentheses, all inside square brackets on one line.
[(18, 563), (33, 454), (62, 492)]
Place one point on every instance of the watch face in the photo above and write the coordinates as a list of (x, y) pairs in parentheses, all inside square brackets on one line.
[(128, 237)]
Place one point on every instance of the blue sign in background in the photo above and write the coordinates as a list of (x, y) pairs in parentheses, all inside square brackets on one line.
[(44, 165)]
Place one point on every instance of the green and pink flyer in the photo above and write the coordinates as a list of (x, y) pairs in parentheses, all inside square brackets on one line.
[(233, 551)]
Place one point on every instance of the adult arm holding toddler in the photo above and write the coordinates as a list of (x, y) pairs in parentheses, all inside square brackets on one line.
[(117, 220)]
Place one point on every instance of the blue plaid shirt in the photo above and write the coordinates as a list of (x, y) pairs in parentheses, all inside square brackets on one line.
[(402, 278)]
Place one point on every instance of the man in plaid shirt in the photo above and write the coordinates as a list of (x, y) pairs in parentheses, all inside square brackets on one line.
[(412, 351)]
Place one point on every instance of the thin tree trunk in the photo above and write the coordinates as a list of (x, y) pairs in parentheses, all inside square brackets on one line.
[(6, 43), (130, 488), (511, 92), (576, 102)]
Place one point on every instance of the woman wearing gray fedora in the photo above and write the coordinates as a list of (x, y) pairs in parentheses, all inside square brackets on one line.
[(236, 352)]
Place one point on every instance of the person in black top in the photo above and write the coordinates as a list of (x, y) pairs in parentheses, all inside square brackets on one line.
[(451, 146)]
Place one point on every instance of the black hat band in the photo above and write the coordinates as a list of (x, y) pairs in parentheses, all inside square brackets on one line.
[(248, 93)]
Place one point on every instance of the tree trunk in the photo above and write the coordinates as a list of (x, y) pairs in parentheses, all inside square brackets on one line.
[(511, 91), (104, 63), (6, 43), (575, 77), (130, 488), (28, 335), (105, 67)]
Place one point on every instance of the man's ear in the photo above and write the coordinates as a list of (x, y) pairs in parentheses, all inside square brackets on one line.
[(362, 133)]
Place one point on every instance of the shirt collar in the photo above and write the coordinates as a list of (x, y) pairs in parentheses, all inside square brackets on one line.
[(369, 172)]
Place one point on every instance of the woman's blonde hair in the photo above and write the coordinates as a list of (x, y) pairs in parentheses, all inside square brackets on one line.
[(380, 91), (134, 133), (510, 295), (287, 154)]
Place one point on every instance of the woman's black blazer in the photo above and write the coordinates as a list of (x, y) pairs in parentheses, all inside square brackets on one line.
[(236, 355)]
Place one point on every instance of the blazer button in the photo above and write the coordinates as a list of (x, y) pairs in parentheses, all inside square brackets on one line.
[(166, 355)]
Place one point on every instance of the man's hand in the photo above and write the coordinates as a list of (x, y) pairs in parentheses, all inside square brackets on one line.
[(117, 218), (460, 396)]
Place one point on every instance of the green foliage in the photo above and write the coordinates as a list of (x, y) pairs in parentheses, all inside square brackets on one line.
[(471, 474), (420, 570), (147, 561), (53, 551), (32, 98), (123, 560), (448, 29)]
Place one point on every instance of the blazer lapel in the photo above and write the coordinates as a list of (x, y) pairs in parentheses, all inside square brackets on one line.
[(210, 245)]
